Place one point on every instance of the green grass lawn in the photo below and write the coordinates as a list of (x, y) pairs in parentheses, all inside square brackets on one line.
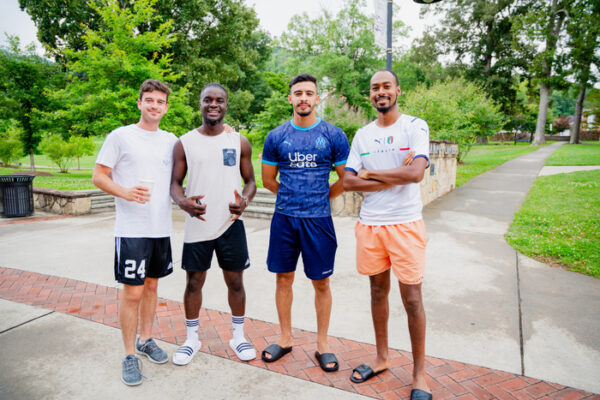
[(86, 162), (74, 180), (576, 154), (559, 222), (482, 158)]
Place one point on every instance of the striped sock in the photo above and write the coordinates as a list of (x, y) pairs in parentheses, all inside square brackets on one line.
[(191, 326), (238, 328)]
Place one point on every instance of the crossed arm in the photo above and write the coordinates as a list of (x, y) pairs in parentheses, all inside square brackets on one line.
[(411, 171)]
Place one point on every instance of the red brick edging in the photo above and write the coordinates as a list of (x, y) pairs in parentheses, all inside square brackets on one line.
[(447, 379)]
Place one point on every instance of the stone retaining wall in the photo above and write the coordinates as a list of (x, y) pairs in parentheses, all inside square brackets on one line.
[(63, 201), (439, 179)]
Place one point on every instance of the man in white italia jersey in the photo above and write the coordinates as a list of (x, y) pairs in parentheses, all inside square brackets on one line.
[(388, 158), (134, 165)]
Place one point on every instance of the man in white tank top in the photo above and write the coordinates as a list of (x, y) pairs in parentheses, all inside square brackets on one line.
[(216, 160)]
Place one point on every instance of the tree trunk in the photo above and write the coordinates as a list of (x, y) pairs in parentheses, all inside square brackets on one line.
[(540, 129), (578, 114), (31, 164)]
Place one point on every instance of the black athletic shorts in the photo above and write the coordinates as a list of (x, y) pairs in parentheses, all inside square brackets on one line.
[(138, 258), (231, 248)]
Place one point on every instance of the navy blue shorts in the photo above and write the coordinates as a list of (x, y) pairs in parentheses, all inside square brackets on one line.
[(138, 258), (314, 237)]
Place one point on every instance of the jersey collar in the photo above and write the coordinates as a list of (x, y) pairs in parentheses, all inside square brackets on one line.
[(305, 128)]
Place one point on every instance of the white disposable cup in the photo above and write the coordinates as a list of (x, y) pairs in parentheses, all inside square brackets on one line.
[(147, 183)]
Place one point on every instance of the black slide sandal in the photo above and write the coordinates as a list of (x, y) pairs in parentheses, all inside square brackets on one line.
[(276, 352)]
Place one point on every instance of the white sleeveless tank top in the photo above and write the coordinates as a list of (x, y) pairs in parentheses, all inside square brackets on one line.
[(213, 170)]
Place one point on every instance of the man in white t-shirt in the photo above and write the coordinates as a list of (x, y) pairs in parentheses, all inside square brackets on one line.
[(388, 158), (134, 165)]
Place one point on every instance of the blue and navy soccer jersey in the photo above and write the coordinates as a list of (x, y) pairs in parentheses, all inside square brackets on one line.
[(304, 157)]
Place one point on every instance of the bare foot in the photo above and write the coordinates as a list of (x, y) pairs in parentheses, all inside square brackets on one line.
[(376, 366), (419, 382), (283, 343), (324, 348)]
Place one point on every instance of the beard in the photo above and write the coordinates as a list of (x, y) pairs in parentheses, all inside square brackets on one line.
[(384, 110), (303, 113)]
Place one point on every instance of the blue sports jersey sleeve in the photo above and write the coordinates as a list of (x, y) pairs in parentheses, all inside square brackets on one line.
[(269, 154), (341, 147)]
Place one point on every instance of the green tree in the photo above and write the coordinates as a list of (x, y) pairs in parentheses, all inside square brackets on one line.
[(27, 80), (11, 148), (277, 111), (105, 77), (455, 110), (211, 40), (338, 113), (61, 24), (338, 49), (544, 21), (478, 35), (58, 150), (83, 146), (584, 40)]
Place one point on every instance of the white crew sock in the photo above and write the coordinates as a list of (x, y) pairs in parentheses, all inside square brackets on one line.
[(238, 329), (191, 326)]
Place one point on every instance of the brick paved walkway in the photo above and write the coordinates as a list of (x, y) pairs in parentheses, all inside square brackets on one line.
[(447, 379)]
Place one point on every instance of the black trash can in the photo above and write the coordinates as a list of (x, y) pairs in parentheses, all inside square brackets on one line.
[(16, 195)]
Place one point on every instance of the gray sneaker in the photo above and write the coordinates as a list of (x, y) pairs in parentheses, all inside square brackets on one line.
[(151, 349), (132, 370)]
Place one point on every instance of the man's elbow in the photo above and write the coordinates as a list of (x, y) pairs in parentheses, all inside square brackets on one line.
[(417, 176)]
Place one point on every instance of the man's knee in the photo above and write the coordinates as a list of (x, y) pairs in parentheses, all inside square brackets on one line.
[(235, 282), (321, 286), (413, 303), (195, 282), (379, 293), (132, 294), (285, 280), (151, 284)]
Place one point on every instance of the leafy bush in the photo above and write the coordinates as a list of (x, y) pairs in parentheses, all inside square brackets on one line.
[(11, 148), (455, 110), (340, 114), (277, 111), (58, 150), (560, 124), (83, 146)]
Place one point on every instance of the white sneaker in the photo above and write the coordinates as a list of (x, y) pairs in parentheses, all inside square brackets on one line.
[(186, 352)]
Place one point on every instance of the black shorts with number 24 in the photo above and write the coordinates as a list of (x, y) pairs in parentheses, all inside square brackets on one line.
[(138, 258)]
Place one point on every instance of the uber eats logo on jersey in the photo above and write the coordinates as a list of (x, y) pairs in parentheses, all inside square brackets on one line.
[(299, 160)]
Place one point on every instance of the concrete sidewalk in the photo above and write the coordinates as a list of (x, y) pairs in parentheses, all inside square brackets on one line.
[(486, 305)]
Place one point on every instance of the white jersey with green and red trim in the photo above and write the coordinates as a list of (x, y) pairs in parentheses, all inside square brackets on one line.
[(377, 148)]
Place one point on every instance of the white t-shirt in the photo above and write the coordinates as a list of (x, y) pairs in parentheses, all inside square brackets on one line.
[(134, 155), (213, 166), (375, 148)]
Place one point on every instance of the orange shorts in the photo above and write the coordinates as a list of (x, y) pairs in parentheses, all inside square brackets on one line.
[(400, 247)]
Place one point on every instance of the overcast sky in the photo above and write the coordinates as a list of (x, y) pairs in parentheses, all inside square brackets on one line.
[(274, 16)]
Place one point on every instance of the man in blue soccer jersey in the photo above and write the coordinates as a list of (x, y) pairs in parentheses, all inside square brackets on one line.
[(303, 151)]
